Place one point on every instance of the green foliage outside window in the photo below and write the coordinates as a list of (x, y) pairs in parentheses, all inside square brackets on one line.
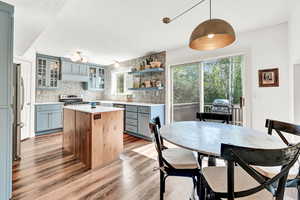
[(186, 84), (221, 80), (120, 83)]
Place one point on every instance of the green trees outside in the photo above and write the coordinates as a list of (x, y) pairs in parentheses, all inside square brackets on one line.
[(186, 83), (221, 80)]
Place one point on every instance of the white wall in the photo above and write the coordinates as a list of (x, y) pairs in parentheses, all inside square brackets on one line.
[(294, 50), (264, 48)]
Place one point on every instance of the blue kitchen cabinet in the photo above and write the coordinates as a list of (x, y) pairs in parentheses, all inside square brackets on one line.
[(96, 78), (47, 72), (6, 82), (48, 118), (137, 119), (73, 71), (42, 121), (56, 120)]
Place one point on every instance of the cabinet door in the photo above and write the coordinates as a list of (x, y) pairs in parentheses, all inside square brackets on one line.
[(41, 73), (42, 121), (66, 67), (75, 69), (56, 119), (83, 70), (53, 73), (143, 127)]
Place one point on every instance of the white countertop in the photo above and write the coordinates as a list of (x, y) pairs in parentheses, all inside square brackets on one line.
[(108, 102), (88, 109), (128, 103), (48, 103)]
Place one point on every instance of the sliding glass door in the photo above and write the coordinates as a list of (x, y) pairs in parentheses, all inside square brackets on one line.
[(185, 91), (196, 86)]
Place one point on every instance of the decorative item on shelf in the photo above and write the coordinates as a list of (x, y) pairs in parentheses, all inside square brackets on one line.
[(268, 77), (137, 68), (155, 64), (142, 67), (136, 83), (158, 84), (153, 83), (147, 66), (143, 85), (147, 84), (209, 35), (133, 69)]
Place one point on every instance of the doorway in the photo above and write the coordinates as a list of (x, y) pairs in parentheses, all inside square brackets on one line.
[(196, 86), (185, 91)]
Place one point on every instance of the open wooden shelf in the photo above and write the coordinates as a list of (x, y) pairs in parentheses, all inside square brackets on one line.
[(152, 88), (148, 71)]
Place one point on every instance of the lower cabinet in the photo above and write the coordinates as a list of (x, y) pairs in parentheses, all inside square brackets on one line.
[(137, 119), (42, 121), (143, 127), (48, 119)]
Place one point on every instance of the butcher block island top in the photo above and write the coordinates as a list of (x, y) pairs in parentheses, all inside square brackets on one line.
[(94, 136)]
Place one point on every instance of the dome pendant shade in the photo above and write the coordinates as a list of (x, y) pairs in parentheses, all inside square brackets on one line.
[(212, 34)]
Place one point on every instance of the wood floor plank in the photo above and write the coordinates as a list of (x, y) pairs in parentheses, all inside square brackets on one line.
[(46, 172)]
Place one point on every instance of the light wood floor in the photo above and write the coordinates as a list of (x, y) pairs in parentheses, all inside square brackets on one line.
[(47, 172)]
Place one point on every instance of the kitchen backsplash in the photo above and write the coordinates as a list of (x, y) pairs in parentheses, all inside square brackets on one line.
[(155, 96), (76, 88), (67, 87)]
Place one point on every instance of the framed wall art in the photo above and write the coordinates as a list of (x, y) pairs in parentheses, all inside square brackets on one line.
[(268, 77)]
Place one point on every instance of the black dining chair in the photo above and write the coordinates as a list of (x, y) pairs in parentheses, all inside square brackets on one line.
[(279, 127), (210, 116), (217, 117), (174, 161), (244, 181)]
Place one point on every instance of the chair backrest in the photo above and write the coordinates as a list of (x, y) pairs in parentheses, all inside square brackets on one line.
[(224, 118), (156, 120), (247, 157), (158, 140), (280, 127)]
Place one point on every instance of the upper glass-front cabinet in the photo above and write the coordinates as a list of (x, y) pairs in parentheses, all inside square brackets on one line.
[(48, 72), (96, 78)]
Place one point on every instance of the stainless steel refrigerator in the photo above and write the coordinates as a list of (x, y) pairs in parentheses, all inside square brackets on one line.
[(18, 105)]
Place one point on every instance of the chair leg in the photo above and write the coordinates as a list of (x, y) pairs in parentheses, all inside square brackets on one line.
[(298, 192), (194, 188), (200, 188), (162, 185)]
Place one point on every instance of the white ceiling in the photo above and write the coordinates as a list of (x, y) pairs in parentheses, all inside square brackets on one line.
[(108, 30)]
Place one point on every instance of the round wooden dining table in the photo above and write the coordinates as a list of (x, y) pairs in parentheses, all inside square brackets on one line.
[(207, 137)]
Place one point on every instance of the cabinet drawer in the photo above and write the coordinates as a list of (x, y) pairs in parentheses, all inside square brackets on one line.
[(131, 108), (131, 115), (132, 122), (48, 107), (131, 128), (144, 109)]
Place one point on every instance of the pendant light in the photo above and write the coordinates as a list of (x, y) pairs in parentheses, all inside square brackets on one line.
[(209, 35), (78, 57), (212, 34)]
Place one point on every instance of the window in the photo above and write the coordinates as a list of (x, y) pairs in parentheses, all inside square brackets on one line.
[(120, 79), (186, 83), (222, 79)]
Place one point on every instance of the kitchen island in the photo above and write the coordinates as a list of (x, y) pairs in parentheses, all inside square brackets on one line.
[(93, 135)]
